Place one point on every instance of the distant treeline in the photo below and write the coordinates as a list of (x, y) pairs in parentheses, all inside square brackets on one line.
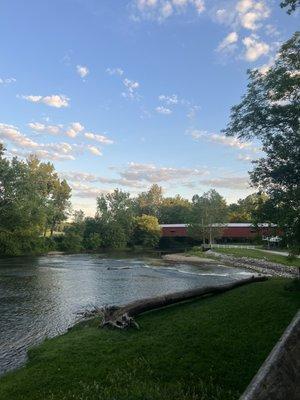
[(35, 213)]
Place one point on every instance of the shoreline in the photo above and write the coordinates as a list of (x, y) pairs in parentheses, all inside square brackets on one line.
[(179, 257), (54, 368), (252, 264)]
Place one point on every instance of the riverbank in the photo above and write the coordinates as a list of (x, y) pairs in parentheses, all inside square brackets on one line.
[(204, 349), (188, 258), (259, 265)]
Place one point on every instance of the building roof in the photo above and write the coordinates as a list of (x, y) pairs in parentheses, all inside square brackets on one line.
[(225, 225)]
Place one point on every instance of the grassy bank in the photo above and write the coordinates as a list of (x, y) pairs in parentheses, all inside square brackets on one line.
[(256, 253), (205, 349)]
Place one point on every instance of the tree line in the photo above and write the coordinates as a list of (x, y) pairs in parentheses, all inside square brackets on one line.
[(36, 215)]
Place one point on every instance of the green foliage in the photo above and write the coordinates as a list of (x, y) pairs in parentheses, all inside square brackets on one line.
[(175, 210), (93, 242), (207, 349), (247, 209), (114, 236), (32, 200), (291, 4), (146, 231), (149, 203), (17, 243), (72, 241), (270, 112), (208, 209)]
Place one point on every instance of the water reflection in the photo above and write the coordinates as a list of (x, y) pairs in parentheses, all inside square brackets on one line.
[(39, 297)]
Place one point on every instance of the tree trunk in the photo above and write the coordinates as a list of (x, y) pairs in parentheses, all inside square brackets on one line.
[(123, 317)]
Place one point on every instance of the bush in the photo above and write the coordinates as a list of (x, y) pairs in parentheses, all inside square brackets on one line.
[(71, 241), (93, 242), (19, 243), (146, 231)]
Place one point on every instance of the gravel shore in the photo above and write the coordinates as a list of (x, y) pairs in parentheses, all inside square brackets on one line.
[(253, 264)]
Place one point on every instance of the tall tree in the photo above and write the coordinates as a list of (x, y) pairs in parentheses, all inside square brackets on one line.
[(30, 192), (270, 112), (146, 231), (115, 218), (209, 213), (175, 210), (245, 210), (149, 202)]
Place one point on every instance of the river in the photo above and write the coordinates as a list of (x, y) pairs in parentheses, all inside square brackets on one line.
[(40, 297)]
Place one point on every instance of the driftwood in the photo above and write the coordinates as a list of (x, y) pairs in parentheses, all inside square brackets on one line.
[(123, 316)]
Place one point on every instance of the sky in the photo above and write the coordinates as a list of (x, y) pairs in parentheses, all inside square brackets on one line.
[(127, 93)]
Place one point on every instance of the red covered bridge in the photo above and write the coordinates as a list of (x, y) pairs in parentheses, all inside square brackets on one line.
[(230, 231)]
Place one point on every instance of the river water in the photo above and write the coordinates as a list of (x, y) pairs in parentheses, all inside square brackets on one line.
[(41, 296)]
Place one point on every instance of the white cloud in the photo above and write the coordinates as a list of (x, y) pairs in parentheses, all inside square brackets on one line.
[(115, 71), (192, 111), (251, 12), (50, 151), (245, 158), (44, 155), (169, 100), (94, 150), (7, 81), (12, 134), (54, 100), (74, 129), (78, 176), (131, 88), (229, 141), (163, 110), (162, 9), (247, 14), (153, 174), (98, 138), (244, 5), (228, 41), (82, 71), (166, 9), (86, 191), (254, 48), (232, 182), (42, 128), (222, 16)]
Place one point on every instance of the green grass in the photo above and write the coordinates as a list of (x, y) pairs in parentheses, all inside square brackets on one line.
[(206, 349), (256, 253)]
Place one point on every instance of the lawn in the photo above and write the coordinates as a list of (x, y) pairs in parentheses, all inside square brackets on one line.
[(256, 253), (206, 349)]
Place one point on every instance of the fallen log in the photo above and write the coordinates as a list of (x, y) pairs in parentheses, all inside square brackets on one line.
[(122, 317)]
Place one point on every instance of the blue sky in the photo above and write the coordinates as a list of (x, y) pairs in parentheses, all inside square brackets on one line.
[(126, 93)]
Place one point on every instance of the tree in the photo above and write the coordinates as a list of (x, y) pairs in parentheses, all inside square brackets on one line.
[(146, 231), (59, 204), (115, 218), (209, 213), (175, 210), (93, 242), (291, 4), (270, 112), (149, 203), (245, 210), (30, 192)]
